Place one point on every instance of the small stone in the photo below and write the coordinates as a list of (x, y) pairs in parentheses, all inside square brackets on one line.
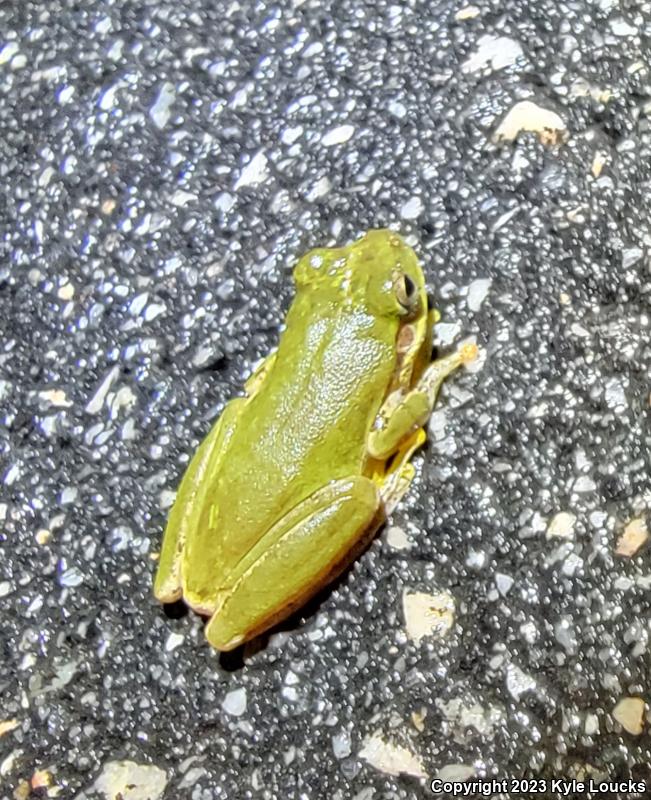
[(55, 397), (634, 536), (43, 536), (561, 526), (341, 745), (66, 292), (418, 719), (130, 781), (494, 52), (591, 724), (629, 712), (253, 173), (160, 112), (8, 725), (396, 538), (338, 135), (428, 614), (477, 293), (412, 209), (71, 577), (173, 641), (518, 682), (94, 405), (503, 583), (235, 702), (526, 116), (456, 772), (391, 758), (467, 12), (598, 162), (630, 256)]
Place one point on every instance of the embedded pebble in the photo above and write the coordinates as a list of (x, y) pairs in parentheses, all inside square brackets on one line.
[(629, 712), (561, 526), (428, 614), (339, 135), (391, 758), (496, 52), (527, 116), (634, 536), (235, 702), (128, 780)]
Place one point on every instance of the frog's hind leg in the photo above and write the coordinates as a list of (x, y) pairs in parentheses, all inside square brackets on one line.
[(307, 549), (395, 481), (186, 510)]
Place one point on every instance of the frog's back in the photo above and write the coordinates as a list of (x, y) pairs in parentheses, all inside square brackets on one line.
[(307, 425)]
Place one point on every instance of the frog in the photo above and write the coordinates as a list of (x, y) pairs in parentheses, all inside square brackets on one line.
[(299, 472)]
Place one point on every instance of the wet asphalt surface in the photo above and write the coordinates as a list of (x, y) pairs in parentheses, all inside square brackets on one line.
[(163, 166)]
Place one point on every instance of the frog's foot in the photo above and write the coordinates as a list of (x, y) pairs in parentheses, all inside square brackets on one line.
[(394, 483), (304, 551)]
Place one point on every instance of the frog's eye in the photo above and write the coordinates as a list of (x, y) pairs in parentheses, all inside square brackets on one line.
[(406, 292)]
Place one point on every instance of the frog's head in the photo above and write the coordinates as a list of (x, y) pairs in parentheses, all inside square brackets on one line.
[(378, 273)]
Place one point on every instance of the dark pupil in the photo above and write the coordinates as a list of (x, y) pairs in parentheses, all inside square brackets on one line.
[(410, 286)]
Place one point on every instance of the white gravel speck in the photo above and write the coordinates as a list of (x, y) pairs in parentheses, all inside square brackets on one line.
[(71, 577), (290, 135), (615, 395), (622, 28), (173, 641), (504, 583), (94, 405), (428, 614), (8, 52), (107, 98), (160, 112), (341, 745), (629, 712), (235, 702), (456, 772), (561, 526), (527, 116), (518, 682), (153, 311), (496, 52), (446, 332), (391, 758), (338, 135), (397, 538), (130, 781), (412, 209), (477, 293), (253, 173)]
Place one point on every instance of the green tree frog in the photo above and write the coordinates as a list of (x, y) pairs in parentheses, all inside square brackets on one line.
[(297, 475)]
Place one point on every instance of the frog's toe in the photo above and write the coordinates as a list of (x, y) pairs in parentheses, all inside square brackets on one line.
[(222, 634)]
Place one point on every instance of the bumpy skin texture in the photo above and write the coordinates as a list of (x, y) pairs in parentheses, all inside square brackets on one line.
[(285, 488)]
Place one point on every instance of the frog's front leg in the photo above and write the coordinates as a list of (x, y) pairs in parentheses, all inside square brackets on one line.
[(400, 430), (303, 551), (404, 412)]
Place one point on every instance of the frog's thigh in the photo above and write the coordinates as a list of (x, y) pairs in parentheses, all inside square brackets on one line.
[(187, 506), (304, 551)]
